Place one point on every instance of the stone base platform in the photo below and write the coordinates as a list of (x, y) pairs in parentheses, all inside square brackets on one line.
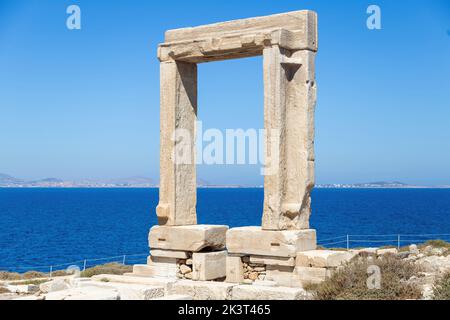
[(186, 252), (200, 266), (308, 267), (264, 255), (198, 290)]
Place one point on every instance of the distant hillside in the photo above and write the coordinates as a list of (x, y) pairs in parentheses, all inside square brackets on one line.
[(378, 184), (7, 181)]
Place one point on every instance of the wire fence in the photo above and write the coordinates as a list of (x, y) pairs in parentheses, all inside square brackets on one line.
[(348, 242), (126, 259)]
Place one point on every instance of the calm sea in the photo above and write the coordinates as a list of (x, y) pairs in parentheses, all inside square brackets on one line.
[(42, 227)]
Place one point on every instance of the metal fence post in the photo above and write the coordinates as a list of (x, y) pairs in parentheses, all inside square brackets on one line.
[(348, 242), (398, 242), (84, 264), (124, 258), (51, 271)]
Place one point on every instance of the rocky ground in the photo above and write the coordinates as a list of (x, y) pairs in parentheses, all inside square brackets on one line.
[(432, 260)]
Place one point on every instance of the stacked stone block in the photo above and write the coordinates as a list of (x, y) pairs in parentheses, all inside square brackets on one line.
[(313, 267), (194, 252), (257, 255)]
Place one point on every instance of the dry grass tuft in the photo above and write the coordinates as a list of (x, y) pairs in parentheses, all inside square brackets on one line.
[(109, 268), (441, 289), (350, 282)]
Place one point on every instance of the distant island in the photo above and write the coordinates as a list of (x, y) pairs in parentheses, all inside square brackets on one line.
[(8, 181), (377, 185)]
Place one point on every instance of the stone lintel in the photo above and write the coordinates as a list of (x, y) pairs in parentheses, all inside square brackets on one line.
[(188, 238), (232, 47), (255, 241), (293, 20), (241, 38)]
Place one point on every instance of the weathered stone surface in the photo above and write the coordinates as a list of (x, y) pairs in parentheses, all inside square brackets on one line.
[(381, 252), (185, 269), (161, 261), (265, 283), (364, 251), (209, 265), (84, 293), (54, 285), (255, 241), (27, 298), (289, 104), (283, 276), (413, 249), (203, 290), (177, 297), (323, 258), (276, 261), (22, 288), (253, 292), (169, 254), (152, 269), (134, 279), (128, 291), (241, 38), (309, 275), (188, 238), (235, 269), (435, 264), (178, 179)]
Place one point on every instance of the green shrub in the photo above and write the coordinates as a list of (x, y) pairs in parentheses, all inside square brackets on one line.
[(110, 268), (350, 282), (441, 289)]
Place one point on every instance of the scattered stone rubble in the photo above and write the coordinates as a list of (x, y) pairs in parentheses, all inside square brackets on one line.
[(307, 267)]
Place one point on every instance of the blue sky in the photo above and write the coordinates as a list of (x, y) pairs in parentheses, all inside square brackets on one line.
[(85, 103)]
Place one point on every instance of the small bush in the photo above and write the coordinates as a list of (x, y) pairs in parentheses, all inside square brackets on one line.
[(9, 276), (33, 275), (4, 290), (32, 282), (59, 273), (441, 289), (436, 244), (110, 268), (350, 282)]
